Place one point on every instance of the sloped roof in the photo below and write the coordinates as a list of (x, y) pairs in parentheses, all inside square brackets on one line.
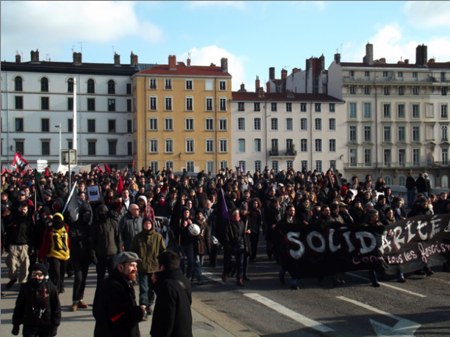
[(70, 67), (182, 70)]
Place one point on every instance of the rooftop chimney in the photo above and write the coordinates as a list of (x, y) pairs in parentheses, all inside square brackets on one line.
[(133, 59), (271, 73), (257, 84), (224, 64), (242, 89), (283, 74), (35, 56), (172, 62), (116, 59), (77, 57), (18, 58), (188, 61), (421, 55), (337, 58), (368, 59)]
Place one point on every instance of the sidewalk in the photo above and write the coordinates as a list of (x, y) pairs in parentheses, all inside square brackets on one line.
[(81, 323)]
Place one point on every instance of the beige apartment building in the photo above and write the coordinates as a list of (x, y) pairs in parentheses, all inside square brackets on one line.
[(182, 116)]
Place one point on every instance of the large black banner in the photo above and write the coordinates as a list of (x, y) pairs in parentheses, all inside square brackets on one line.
[(406, 246)]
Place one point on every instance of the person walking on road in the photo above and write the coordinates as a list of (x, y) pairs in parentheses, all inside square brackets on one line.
[(115, 310), (37, 307), (18, 242), (172, 315), (147, 244)]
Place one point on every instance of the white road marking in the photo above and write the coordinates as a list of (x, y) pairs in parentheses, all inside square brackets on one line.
[(389, 286), (289, 313), (404, 327)]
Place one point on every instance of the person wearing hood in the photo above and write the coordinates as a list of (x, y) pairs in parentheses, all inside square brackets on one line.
[(80, 254), (104, 241), (37, 306), (55, 248), (145, 207), (147, 244)]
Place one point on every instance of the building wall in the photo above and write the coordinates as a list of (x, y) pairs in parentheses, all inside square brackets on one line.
[(59, 113), (300, 155), (180, 157)]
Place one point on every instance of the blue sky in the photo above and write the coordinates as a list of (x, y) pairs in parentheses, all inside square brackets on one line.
[(253, 35)]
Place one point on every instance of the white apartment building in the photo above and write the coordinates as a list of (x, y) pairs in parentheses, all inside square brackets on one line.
[(286, 130), (37, 113), (396, 114)]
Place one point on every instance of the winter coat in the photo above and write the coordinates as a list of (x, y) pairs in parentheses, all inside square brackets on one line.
[(105, 238), (38, 306), (19, 230), (172, 315), (55, 244), (148, 245), (115, 310), (129, 227)]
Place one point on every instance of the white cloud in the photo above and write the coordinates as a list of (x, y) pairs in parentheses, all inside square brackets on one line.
[(49, 23), (213, 54), (428, 14), (389, 43)]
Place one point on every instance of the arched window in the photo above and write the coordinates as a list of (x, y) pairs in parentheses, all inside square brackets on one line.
[(44, 84), (70, 85), (111, 87), (18, 84), (90, 86)]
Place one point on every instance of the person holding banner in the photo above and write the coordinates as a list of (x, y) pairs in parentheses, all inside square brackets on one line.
[(287, 224), (374, 223)]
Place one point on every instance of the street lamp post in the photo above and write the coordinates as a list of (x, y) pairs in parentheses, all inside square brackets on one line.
[(59, 127)]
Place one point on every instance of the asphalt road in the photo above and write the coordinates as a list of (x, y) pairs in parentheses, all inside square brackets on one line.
[(264, 307), (419, 307)]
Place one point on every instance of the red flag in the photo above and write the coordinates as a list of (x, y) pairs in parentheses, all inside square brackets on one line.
[(120, 185), (107, 169), (47, 172), (5, 170), (99, 169), (19, 162)]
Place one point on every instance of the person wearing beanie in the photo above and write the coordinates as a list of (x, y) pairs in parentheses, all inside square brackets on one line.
[(147, 244), (37, 306), (55, 249)]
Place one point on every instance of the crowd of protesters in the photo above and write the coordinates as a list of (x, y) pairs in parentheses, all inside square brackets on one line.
[(38, 224)]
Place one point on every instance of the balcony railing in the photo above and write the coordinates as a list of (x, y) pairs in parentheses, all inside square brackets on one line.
[(286, 153)]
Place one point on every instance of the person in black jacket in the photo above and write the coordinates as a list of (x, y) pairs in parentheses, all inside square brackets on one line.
[(104, 240), (115, 310), (37, 307), (18, 243), (80, 255), (172, 314)]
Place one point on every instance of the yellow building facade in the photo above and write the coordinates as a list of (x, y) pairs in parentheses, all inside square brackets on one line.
[(182, 117)]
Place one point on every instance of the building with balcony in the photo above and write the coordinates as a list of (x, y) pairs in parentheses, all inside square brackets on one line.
[(39, 98), (183, 116), (397, 117), (396, 114), (283, 130)]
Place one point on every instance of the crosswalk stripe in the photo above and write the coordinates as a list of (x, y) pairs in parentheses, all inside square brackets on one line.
[(289, 313)]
